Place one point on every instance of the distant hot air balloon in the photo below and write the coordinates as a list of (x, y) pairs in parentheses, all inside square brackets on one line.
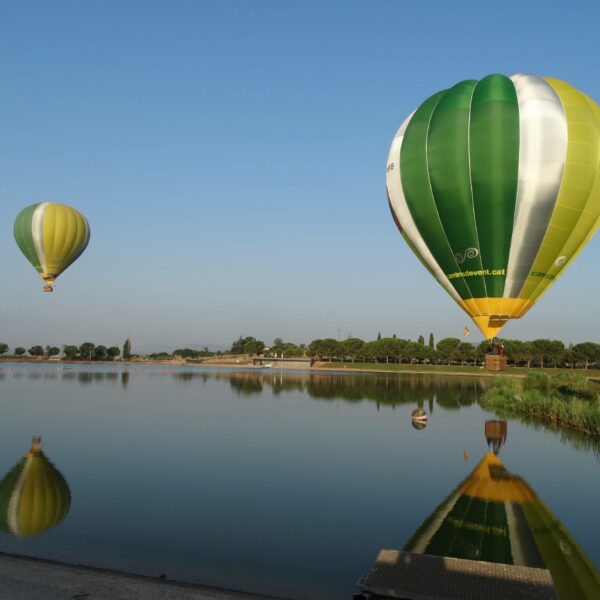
[(494, 185), (51, 236), (34, 496)]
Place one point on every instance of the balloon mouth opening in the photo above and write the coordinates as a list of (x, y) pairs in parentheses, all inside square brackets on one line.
[(36, 444), (49, 281), (490, 326), (491, 314)]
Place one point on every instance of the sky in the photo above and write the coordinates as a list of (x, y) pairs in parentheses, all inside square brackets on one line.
[(230, 159)]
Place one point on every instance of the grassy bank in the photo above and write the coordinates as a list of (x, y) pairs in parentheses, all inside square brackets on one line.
[(562, 400)]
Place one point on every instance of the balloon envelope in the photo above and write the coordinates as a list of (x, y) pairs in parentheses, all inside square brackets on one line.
[(51, 236), (494, 185)]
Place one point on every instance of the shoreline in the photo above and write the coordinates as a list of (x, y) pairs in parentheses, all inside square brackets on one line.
[(320, 367), (31, 578)]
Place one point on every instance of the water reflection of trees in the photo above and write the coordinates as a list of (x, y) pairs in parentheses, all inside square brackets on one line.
[(386, 389)]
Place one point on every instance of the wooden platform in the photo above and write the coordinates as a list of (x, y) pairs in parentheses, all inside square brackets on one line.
[(425, 577)]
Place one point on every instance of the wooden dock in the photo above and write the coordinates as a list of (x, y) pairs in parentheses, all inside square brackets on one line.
[(410, 576)]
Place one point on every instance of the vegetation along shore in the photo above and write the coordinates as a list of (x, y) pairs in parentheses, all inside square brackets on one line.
[(381, 353), (563, 400)]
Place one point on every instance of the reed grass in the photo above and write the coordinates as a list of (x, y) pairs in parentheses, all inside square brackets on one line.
[(563, 400)]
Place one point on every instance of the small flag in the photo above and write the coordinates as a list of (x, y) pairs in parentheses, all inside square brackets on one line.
[(466, 331)]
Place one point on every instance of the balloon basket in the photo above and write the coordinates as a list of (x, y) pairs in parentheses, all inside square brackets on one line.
[(495, 362)]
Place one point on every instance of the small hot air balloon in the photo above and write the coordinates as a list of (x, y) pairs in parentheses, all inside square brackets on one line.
[(34, 496), (494, 185), (51, 236)]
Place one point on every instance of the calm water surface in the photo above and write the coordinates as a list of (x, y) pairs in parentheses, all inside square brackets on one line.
[(284, 483)]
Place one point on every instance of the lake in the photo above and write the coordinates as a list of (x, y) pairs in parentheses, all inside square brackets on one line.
[(286, 483)]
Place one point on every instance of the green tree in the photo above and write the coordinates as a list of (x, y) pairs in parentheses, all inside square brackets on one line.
[(398, 349), (70, 352), (447, 349), (52, 351), (386, 348), (527, 353), (253, 346), (325, 348), (36, 351), (466, 353), (421, 340), (247, 345), (3, 348), (238, 346), (19, 350), (431, 343), (112, 352), (86, 350), (127, 349), (100, 352), (378, 350), (548, 352), (352, 347), (379, 335), (287, 349), (586, 353)]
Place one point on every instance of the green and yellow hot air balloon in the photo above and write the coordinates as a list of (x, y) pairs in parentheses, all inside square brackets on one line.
[(495, 186), (34, 496), (51, 236)]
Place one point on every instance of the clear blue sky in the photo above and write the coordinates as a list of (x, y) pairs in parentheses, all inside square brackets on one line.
[(230, 158)]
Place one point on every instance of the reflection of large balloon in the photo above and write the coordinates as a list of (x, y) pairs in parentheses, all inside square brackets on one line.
[(34, 496), (495, 434), (495, 516), (51, 236), (494, 185)]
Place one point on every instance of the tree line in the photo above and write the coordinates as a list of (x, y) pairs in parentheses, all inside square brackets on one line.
[(85, 351), (449, 351), (540, 352)]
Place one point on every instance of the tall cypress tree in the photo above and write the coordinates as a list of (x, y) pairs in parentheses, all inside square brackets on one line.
[(431, 344), (127, 349)]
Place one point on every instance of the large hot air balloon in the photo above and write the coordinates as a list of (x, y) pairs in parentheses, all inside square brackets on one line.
[(51, 236), (494, 185), (34, 496)]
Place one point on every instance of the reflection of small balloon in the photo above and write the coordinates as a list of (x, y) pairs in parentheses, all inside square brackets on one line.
[(494, 186), (419, 418), (51, 236), (34, 496)]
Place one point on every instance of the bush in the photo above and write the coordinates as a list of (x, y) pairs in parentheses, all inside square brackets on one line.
[(573, 384), (541, 398), (537, 381)]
